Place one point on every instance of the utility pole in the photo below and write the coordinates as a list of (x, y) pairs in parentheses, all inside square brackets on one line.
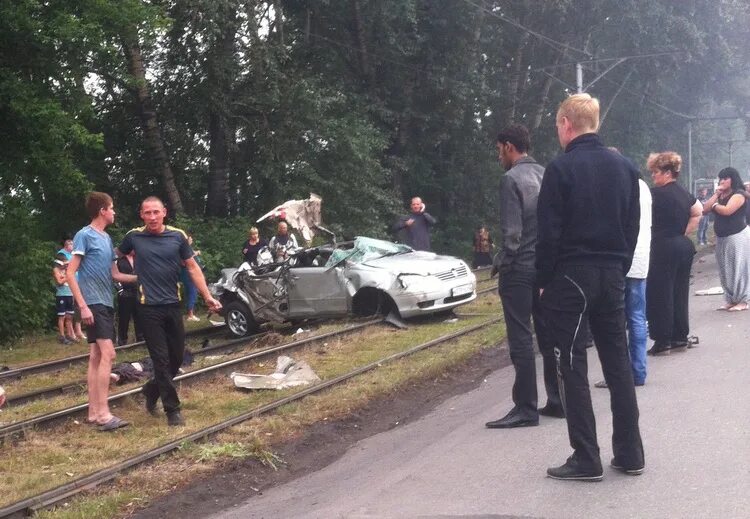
[(579, 78)]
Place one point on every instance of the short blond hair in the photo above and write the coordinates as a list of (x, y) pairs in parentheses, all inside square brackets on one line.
[(666, 161), (582, 111)]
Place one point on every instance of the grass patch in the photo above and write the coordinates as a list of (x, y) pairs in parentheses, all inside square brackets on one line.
[(80, 449)]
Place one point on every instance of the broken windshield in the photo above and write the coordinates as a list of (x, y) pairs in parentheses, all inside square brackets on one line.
[(365, 249)]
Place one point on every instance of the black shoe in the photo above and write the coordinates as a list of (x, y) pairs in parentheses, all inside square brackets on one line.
[(679, 346), (555, 411), (573, 471), (175, 418), (630, 471), (511, 420), (659, 349)]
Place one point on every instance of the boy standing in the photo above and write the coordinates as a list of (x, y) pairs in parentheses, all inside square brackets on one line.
[(94, 260)]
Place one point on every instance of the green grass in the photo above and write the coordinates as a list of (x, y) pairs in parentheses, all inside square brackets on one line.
[(46, 457)]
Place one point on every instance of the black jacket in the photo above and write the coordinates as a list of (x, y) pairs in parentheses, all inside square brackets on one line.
[(588, 211)]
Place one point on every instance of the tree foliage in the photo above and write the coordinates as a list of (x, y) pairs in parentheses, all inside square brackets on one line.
[(225, 108)]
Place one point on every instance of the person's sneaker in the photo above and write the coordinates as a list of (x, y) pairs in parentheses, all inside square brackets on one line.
[(574, 471), (175, 418), (193, 318), (630, 471), (73, 339), (659, 349), (64, 340)]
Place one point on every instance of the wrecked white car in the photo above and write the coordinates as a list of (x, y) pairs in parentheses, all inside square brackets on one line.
[(363, 277)]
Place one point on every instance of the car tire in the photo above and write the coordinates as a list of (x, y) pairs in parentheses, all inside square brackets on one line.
[(239, 319)]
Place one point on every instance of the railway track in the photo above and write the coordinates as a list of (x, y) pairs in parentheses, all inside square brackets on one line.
[(60, 493), (80, 385), (47, 418), (54, 365)]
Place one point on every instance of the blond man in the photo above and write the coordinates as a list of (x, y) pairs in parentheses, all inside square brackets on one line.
[(588, 219)]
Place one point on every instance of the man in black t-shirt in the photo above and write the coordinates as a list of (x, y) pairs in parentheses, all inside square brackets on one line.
[(160, 252)]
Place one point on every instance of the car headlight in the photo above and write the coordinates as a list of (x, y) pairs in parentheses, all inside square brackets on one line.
[(418, 283)]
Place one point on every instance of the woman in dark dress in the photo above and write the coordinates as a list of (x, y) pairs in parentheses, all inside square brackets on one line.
[(252, 246), (482, 248), (675, 214)]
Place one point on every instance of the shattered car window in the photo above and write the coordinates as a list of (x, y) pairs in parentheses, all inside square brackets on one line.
[(365, 249)]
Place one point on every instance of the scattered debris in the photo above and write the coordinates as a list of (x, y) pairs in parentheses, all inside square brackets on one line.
[(451, 320), (289, 373), (713, 291), (394, 319)]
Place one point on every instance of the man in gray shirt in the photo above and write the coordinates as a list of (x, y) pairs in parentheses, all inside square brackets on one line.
[(519, 190)]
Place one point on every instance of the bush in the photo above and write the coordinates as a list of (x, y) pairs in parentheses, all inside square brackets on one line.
[(27, 301)]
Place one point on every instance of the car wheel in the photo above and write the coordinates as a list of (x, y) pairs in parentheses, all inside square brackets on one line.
[(239, 319)]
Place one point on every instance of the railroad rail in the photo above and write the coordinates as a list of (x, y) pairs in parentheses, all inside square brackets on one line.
[(78, 385), (62, 492), (52, 365), (47, 418)]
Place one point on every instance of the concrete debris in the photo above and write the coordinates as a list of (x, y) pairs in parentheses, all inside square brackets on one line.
[(289, 373)]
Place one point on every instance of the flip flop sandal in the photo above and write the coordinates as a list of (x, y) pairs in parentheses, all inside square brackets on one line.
[(112, 424)]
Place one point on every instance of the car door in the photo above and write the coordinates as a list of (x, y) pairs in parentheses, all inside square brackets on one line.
[(316, 292)]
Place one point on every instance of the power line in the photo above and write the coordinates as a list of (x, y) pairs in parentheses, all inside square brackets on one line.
[(539, 35), (599, 60)]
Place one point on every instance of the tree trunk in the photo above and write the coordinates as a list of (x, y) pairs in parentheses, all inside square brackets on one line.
[(544, 100), (221, 76), (364, 60), (150, 124)]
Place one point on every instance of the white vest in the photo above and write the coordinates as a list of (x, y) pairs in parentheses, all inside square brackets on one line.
[(639, 268)]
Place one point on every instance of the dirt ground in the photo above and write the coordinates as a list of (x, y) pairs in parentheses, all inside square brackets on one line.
[(323, 443)]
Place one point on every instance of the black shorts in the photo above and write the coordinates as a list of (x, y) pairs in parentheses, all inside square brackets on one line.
[(64, 305), (104, 324)]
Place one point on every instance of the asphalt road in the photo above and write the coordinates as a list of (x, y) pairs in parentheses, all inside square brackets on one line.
[(695, 422)]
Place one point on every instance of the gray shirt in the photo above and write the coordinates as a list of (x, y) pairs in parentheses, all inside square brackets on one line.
[(95, 273), (519, 191)]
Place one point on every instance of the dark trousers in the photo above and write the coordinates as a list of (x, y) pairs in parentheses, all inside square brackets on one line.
[(127, 309), (668, 289), (520, 298), (578, 294), (165, 339)]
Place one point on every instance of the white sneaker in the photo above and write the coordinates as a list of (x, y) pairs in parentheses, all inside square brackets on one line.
[(193, 318)]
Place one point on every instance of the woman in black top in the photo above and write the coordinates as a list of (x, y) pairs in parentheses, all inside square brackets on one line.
[(252, 246), (675, 214), (127, 299), (732, 239)]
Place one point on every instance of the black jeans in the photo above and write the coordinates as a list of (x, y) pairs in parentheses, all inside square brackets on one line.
[(578, 294), (668, 289), (127, 309), (165, 339), (520, 298)]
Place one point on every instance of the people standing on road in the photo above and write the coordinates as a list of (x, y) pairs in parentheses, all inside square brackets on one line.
[(519, 293), (704, 221), (675, 215), (635, 292), (127, 302), (283, 242), (588, 217), (252, 246), (416, 225), (483, 246), (63, 302), (161, 251), (732, 239), (90, 276)]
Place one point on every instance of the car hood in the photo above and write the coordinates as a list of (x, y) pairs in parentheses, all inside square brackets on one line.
[(417, 262)]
